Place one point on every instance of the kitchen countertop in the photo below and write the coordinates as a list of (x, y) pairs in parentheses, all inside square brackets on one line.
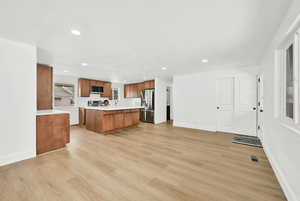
[(50, 112), (113, 107)]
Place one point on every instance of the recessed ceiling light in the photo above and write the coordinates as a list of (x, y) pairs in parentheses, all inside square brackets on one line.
[(75, 32), (204, 60), (66, 71), (84, 64), (164, 68)]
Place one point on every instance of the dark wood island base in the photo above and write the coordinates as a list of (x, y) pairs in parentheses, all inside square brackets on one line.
[(102, 121)]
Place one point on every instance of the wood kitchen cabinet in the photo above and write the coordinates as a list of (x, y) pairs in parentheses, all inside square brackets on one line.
[(102, 121), (81, 116), (134, 90), (131, 117), (149, 84), (84, 87), (141, 87), (127, 91), (44, 87), (107, 89), (52, 132), (131, 90)]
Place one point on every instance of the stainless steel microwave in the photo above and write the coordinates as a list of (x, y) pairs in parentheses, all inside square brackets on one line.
[(96, 89)]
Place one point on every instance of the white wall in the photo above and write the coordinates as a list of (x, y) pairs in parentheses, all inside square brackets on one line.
[(281, 144), (160, 107), (195, 98), (18, 109)]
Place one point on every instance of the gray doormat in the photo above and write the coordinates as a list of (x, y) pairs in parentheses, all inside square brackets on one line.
[(247, 140)]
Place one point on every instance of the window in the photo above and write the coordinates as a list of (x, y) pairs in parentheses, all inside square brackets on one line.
[(63, 95), (115, 94), (289, 85), (287, 60)]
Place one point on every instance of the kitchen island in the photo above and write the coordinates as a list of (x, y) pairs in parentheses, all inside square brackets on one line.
[(109, 118)]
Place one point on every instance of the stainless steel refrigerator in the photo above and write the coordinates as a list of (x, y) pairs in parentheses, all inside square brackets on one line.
[(147, 113)]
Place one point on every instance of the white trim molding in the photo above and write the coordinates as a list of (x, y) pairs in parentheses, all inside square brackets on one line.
[(288, 191), (195, 125), (12, 158)]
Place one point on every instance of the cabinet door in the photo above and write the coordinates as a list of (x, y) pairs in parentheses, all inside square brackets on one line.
[(136, 117), (84, 87), (152, 84), (128, 91), (107, 89), (53, 132), (81, 116), (128, 121), (119, 120), (108, 122), (135, 89), (140, 89), (149, 84), (125, 91), (44, 87), (90, 116), (93, 83)]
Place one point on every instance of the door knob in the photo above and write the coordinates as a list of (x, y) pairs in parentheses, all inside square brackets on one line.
[(218, 107), (254, 108), (261, 110)]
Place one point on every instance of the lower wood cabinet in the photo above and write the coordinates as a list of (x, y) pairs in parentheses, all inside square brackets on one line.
[(81, 116), (101, 121), (52, 132)]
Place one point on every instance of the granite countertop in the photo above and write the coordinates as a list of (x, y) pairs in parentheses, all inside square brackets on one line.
[(50, 112), (113, 107)]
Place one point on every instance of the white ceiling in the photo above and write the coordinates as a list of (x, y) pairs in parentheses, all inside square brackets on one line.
[(133, 39)]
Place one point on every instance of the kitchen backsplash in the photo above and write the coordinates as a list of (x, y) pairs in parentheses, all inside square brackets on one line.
[(83, 101)]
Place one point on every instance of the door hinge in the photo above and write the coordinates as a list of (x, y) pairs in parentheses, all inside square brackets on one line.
[(258, 103), (258, 127), (258, 80)]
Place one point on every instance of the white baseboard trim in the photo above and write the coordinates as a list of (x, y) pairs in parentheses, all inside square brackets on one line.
[(12, 158), (194, 126), (289, 193)]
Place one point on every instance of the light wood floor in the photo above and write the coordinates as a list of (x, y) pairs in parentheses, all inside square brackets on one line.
[(144, 163)]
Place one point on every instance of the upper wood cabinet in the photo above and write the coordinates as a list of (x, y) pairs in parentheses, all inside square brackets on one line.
[(134, 90), (107, 89), (97, 83), (130, 91), (44, 87), (149, 84), (84, 87)]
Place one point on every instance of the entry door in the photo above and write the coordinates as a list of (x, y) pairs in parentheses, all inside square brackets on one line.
[(246, 105), (225, 104)]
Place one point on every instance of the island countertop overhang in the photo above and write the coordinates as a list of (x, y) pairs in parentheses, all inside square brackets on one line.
[(110, 108)]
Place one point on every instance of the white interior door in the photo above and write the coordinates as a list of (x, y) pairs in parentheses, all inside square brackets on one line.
[(260, 106), (246, 105), (225, 104)]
